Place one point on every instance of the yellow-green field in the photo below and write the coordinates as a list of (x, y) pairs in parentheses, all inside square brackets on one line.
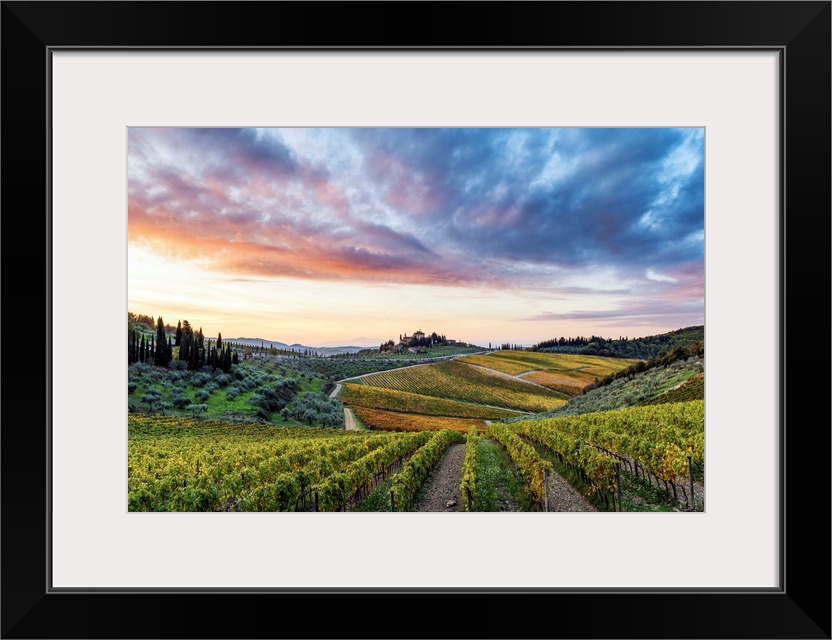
[(459, 381), (183, 464), (561, 372), (471, 390), (444, 395), (360, 395)]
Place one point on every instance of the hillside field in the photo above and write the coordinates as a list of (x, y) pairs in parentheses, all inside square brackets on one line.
[(286, 448), (565, 373)]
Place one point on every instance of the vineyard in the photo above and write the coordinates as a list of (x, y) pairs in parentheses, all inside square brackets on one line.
[(652, 450), (179, 464), (396, 421), (458, 381), (567, 374), (361, 395), (692, 389), (645, 457), (516, 362), (183, 464)]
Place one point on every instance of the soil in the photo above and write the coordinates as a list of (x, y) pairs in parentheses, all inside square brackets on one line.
[(442, 493), (564, 497), (349, 420)]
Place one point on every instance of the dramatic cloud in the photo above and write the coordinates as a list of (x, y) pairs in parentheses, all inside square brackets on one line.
[(554, 210)]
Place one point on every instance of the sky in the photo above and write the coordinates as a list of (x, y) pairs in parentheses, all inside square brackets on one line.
[(342, 236)]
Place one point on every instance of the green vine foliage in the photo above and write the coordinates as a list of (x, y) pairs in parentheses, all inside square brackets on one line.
[(468, 485)]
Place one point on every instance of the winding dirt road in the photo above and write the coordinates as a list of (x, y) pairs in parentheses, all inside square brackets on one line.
[(350, 423)]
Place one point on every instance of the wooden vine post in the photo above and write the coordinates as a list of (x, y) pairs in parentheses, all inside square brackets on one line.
[(618, 485), (690, 476)]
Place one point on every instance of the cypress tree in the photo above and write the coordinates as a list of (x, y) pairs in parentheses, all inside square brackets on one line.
[(186, 345), (184, 348), (200, 350), (142, 351), (179, 333), (162, 357), (193, 354)]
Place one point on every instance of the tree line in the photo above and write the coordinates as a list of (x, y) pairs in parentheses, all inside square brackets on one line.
[(624, 347), (192, 347)]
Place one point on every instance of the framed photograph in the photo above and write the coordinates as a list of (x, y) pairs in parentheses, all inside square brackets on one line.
[(674, 156)]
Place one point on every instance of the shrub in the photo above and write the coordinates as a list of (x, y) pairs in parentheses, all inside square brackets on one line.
[(180, 402), (151, 397), (140, 368), (202, 395), (200, 379), (196, 409), (131, 387), (223, 380)]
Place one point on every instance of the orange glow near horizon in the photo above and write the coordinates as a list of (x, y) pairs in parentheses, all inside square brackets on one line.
[(323, 313)]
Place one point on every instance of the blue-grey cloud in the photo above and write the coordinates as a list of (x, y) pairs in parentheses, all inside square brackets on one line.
[(496, 206)]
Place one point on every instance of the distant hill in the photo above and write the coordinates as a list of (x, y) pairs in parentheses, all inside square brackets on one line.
[(300, 348), (362, 342)]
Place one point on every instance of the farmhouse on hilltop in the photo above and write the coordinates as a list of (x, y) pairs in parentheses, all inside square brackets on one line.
[(406, 339), (416, 343)]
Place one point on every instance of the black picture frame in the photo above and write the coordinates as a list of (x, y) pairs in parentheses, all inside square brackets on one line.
[(799, 31)]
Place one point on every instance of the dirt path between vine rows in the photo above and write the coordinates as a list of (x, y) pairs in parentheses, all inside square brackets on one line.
[(564, 497), (443, 492)]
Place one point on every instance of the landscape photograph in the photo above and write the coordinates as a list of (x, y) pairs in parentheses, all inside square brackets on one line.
[(397, 319)]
